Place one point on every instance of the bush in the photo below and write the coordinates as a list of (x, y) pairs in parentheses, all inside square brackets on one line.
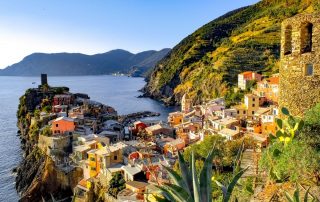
[(116, 184), (297, 161), (46, 131)]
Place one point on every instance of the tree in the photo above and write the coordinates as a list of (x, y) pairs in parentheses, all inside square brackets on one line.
[(116, 184)]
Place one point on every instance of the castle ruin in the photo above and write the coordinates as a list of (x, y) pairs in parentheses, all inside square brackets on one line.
[(300, 63)]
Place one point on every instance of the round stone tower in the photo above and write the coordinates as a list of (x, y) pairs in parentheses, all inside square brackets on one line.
[(300, 63)]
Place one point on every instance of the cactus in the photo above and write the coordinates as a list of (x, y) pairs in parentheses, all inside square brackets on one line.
[(287, 128)]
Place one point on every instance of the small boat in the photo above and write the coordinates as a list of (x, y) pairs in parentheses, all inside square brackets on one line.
[(33, 82)]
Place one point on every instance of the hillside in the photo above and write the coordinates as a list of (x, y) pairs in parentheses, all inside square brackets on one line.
[(57, 64), (206, 63)]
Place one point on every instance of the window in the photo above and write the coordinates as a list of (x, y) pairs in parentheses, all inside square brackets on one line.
[(309, 70), (288, 40), (57, 125), (238, 112), (253, 99), (244, 112), (306, 37), (253, 105), (252, 112), (115, 158)]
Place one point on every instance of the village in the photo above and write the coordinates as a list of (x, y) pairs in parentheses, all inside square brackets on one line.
[(87, 135)]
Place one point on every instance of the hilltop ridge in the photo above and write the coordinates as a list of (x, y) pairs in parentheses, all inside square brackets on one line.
[(206, 63), (65, 64)]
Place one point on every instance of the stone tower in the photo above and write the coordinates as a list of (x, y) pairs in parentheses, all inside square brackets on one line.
[(44, 79), (186, 103), (300, 63)]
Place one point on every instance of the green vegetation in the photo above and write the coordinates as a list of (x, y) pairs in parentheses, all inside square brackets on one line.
[(206, 63), (46, 131), (189, 186), (116, 184)]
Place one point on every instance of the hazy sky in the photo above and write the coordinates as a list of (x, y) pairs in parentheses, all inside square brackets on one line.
[(96, 26)]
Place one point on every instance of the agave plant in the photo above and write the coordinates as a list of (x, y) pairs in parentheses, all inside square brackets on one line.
[(296, 196), (190, 188)]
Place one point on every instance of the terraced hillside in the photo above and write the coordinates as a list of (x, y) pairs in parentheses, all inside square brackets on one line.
[(206, 63)]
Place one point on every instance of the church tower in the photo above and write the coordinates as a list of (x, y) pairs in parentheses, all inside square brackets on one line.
[(186, 103), (300, 63)]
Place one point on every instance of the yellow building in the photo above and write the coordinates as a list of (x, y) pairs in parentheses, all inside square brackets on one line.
[(248, 109)]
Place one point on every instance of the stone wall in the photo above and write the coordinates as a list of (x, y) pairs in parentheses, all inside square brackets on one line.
[(298, 90)]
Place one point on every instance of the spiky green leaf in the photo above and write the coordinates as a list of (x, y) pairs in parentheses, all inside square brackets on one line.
[(178, 192), (195, 182), (306, 195), (177, 179), (185, 172), (205, 178), (233, 183)]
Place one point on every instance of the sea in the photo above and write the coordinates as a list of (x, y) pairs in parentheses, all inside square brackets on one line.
[(120, 92)]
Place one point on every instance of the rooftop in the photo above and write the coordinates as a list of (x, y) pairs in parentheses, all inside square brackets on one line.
[(132, 170), (228, 132), (64, 119), (137, 184)]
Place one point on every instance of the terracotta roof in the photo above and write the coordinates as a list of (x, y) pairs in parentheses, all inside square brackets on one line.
[(273, 80), (83, 183), (137, 184)]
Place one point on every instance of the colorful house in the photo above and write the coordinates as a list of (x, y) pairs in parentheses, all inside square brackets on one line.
[(268, 88), (175, 118), (160, 129), (245, 77), (62, 125), (250, 106), (63, 99)]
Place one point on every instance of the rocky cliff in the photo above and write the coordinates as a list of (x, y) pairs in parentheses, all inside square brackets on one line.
[(37, 176)]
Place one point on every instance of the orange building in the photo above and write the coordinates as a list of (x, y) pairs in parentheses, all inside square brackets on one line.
[(269, 88), (62, 125), (175, 118)]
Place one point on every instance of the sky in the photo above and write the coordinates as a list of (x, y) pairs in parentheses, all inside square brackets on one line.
[(97, 26)]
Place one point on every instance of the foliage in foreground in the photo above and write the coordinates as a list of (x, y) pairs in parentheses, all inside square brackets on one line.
[(189, 187)]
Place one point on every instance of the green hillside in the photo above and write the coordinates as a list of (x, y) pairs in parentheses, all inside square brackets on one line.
[(206, 63)]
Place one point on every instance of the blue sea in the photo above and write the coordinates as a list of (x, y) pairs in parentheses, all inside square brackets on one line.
[(119, 92)]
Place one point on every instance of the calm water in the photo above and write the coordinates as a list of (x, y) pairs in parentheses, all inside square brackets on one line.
[(118, 92)]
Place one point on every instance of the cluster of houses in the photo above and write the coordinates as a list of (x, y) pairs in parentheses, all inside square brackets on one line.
[(86, 135)]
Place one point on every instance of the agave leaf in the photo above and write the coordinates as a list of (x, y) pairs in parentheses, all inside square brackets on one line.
[(195, 182), (223, 188), (296, 195), (159, 199), (166, 193), (185, 172), (236, 164), (177, 179), (285, 111), (205, 178), (178, 192), (289, 198), (233, 183), (306, 195)]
